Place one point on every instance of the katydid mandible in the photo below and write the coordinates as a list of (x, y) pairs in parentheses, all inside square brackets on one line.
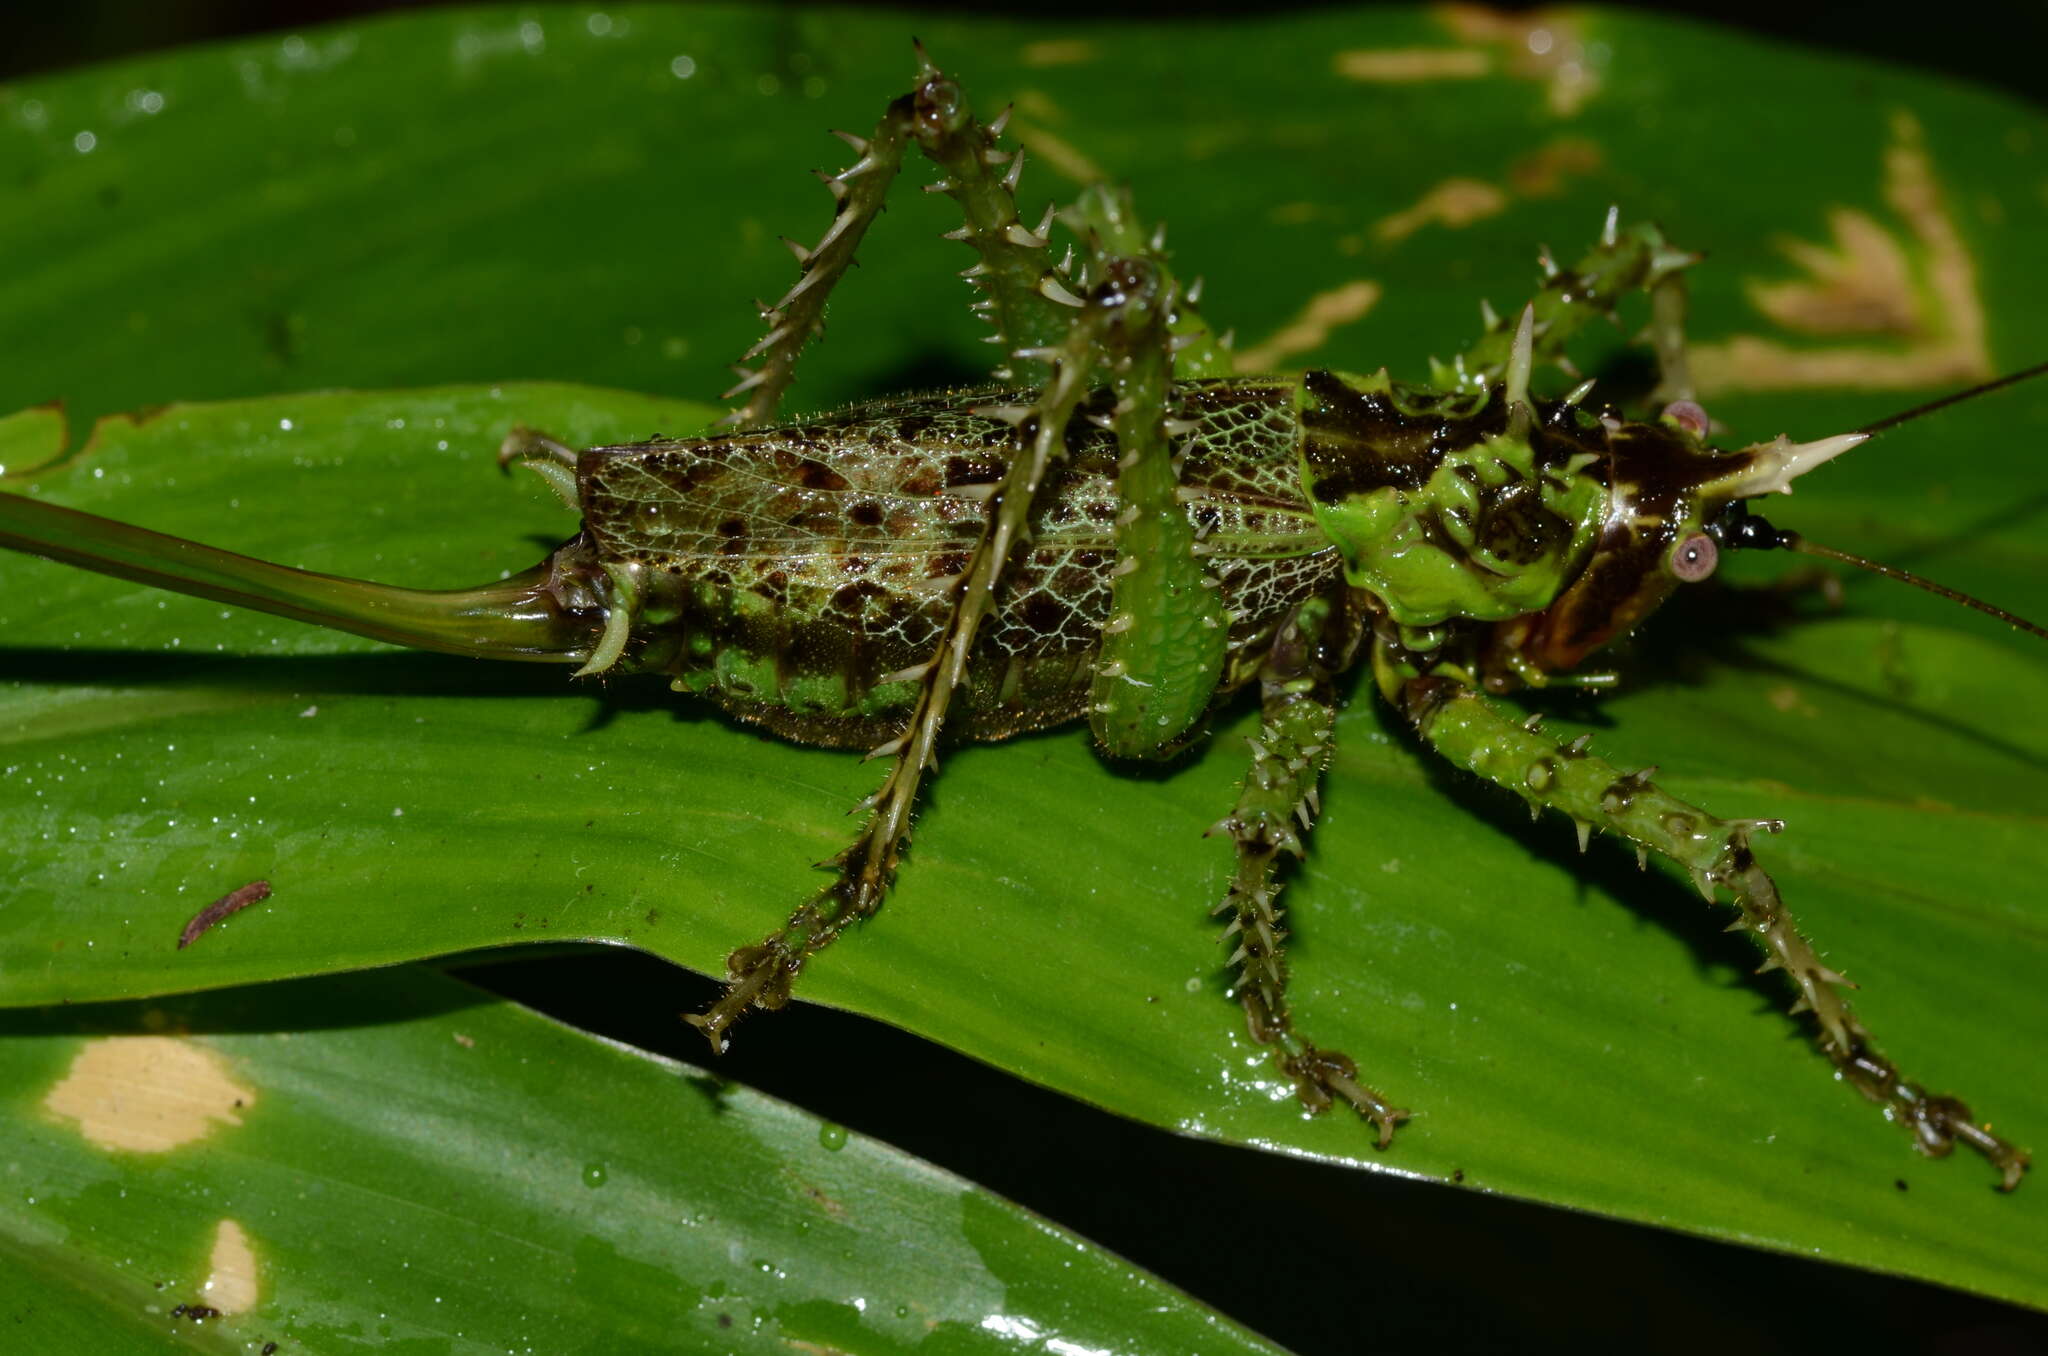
[(1123, 528)]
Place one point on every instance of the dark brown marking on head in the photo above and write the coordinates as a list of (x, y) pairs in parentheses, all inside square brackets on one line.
[(1515, 527), (1652, 473)]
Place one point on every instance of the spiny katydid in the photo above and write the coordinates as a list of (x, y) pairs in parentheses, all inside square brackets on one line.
[(1124, 529)]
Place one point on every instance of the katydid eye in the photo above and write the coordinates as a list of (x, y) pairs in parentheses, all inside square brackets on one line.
[(1694, 558)]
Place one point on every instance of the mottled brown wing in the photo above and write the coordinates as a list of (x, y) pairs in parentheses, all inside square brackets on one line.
[(895, 493)]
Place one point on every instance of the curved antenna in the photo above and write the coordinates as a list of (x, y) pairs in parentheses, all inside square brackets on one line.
[(1983, 388), (1751, 531)]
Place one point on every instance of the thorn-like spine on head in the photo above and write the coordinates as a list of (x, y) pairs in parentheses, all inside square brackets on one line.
[(1777, 463), (1521, 362)]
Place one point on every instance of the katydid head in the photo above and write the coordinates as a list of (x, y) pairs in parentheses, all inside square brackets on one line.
[(1674, 505)]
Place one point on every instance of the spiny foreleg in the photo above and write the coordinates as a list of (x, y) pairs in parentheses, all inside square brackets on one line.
[(1274, 813), (1106, 221), (1625, 260), (1476, 735), (761, 974), (1163, 645), (1026, 297)]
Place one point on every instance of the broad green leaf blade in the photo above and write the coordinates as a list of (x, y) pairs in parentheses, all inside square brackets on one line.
[(396, 1158), (486, 195)]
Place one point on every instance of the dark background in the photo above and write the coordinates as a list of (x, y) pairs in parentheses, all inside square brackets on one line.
[(2002, 43), (1345, 1261)]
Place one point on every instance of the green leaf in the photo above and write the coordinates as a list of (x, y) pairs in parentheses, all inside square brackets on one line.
[(462, 1172), (482, 196)]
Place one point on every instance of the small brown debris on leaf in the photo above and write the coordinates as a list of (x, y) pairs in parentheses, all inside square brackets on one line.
[(234, 901)]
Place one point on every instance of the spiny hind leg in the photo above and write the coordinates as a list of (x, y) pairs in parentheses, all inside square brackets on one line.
[(761, 974), (1476, 735), (1274, 812)]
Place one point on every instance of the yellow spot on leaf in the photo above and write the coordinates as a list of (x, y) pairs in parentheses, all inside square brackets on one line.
[(1542, 44), (1919, 287), (1460, 202), (1454, 203), (1309, 330), (147, 1094), (1293, 213), (1408, 65), (1038, 106), (1543, 172), (1786, 700), (1060, 52), (231, 1281), (1862, 286), (32, 438)]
